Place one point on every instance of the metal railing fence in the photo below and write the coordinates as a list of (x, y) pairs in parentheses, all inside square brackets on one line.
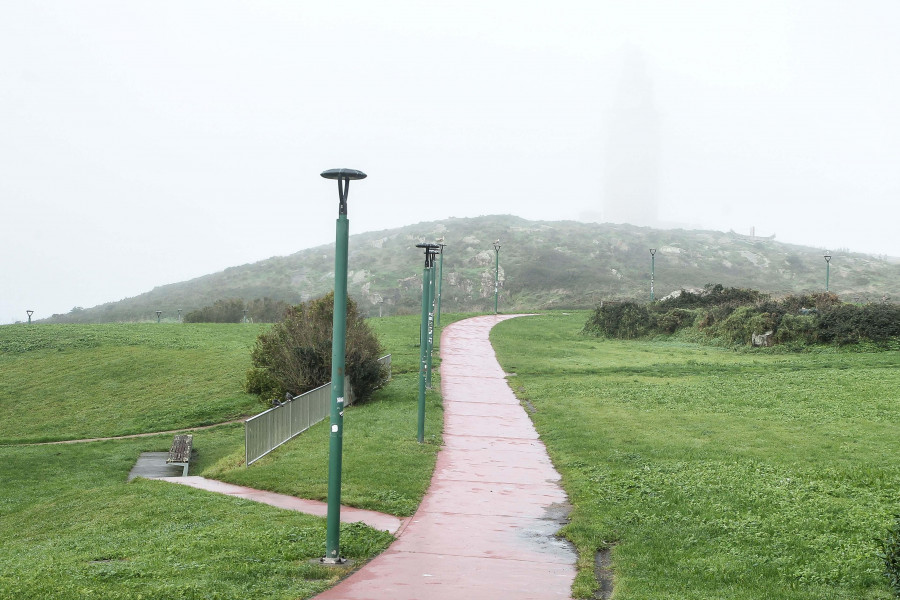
[(272, 428)]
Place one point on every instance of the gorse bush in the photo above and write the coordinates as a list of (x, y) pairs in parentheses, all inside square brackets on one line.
[(623, 320), (295, 355), (850, 324), (735, 315)]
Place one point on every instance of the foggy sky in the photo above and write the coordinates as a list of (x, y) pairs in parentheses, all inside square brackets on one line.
[(144, 143)]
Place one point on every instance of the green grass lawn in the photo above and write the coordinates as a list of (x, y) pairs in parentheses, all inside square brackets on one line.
[(60, 382), (73, 528), (715, 473)]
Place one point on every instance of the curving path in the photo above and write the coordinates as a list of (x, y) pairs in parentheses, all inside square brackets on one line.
[(485, 529)]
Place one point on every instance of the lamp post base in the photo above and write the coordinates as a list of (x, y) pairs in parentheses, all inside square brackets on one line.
[(332, 562)]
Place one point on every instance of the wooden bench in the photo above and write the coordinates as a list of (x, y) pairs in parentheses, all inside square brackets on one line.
[(180, 452)]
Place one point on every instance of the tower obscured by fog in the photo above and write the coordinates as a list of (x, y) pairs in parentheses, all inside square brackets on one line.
[(631, 170)]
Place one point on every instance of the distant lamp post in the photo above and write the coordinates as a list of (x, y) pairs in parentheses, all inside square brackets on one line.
[(30, 312), (179, 315), (424, 333), (652, 271), (827, 270), (440, 281), (158, 315), (245, 315), (496, 273), (338, 352)]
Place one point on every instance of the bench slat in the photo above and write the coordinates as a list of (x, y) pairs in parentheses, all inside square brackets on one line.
[(180, 453)]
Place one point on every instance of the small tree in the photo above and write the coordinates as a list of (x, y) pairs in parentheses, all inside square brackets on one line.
[(295, 355)]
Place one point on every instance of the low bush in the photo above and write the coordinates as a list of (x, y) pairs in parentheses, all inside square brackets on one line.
[(621, 320), (295, 355), (734, 315), (675, 319), (797, 329)]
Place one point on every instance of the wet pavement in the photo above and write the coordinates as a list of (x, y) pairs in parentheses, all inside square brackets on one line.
[(373, 519), (485, 529), (152, 465)]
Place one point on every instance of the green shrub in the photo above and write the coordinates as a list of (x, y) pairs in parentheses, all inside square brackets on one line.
[(890, 553), (675, 319), (801, 329), (850, 324), (234, 310), (621, 320), (714, 295), (295, 355), (821, 301), (736, 327)]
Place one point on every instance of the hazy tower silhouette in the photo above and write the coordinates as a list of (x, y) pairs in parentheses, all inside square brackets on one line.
[(631, 169)]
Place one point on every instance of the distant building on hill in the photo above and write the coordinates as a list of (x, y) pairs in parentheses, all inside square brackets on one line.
[(631, 169)]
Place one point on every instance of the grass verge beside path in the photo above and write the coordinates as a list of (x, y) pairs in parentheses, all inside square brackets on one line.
[(715, 473)]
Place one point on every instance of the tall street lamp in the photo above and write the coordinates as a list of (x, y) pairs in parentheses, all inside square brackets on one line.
[(338, 352), (652, 270), (496, 273), (440, 282), (432, 302), (827, 270), (30, 312), (423, 335), (158, 315)]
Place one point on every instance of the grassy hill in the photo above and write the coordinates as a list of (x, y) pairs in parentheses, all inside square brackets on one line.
[(543, 264)]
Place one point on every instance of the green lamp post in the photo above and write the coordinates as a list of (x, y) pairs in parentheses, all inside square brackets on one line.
[(427, 320), (496, 273), (440, 280), (827, 270), (432, 303), (158, 315), (30, 312), (652, 271), (338, 350)]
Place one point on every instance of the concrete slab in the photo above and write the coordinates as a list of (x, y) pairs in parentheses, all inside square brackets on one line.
[(486, 528), (152, 465)]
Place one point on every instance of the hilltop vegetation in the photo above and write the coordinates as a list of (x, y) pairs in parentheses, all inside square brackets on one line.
[(558, 264), (745, 316)]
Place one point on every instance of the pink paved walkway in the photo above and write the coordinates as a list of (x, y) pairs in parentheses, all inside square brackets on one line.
[(371, 518), (485, 528)]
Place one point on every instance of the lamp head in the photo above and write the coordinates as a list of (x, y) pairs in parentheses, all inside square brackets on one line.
[(340, 174), (828, 258), (652, 251), (343, 177), (497, 246)]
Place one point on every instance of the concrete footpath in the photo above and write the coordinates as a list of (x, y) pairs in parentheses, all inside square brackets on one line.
[(373, 519), (485, 529)]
